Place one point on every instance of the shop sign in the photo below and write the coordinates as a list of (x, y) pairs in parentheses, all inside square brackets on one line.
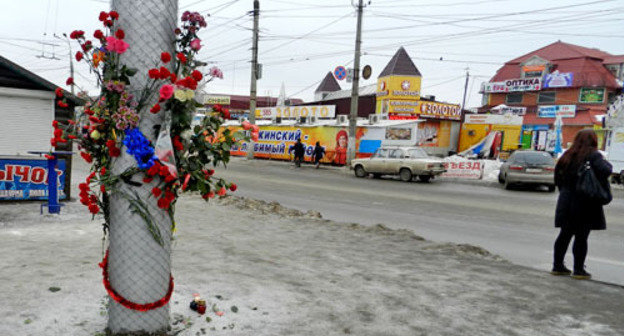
[(592, 95), (493, 119), (552, 111), (400, 106), (440, 111), (513, 85), (467, 169), (518, 110), (558, 80), (320, 111), (27, 179), (399, 87), (214, 100)]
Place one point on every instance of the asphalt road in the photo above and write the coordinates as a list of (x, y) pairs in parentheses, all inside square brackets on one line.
[(517, 225)]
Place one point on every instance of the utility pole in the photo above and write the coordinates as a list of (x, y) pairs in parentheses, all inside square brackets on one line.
[(355, 89), (463, 106), (254, 75), (71, 60)]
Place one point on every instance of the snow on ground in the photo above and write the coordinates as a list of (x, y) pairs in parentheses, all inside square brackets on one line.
[(290, 273)]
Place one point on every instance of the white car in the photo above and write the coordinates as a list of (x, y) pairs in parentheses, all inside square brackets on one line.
[(407, 162)]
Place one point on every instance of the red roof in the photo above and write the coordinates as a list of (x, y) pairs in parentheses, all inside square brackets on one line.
[(585, 63), (617, 59), (561, 50)]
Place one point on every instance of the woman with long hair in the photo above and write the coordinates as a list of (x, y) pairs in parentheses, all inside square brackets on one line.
[(576, 215)]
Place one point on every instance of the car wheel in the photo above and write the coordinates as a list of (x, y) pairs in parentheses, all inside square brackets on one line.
[(500, 179), (377, 175), (405, 174), (508, 184), (424, 178), (551, 188), (360, 172)]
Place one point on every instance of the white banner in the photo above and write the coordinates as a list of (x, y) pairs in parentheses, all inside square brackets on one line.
[(291, 112)]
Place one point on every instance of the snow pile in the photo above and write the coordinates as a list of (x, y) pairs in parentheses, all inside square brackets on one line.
[(491, 168)]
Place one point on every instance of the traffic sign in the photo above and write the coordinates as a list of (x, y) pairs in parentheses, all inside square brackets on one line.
[(340, 72), (367, 72)]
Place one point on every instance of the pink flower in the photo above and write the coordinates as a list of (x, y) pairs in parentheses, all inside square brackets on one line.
[(216, 72), (196, 44), (115, 45), (166, 91)]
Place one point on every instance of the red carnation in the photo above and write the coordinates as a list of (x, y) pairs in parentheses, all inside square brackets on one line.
[(59, 92), (217, 108), (173, 78), (226, 114), (94, 208), (69, 81), (156, 192), (177, 144), (153, 73), (233, 187), (164, 73), (165, 57), (221, 192), (103, 16), (98, 34), (83, 186), (114, 152), (148, 179), (181, 57), (120, 34), (71, 136), (108, 23), (197, 75), (58, 132), (53, 142), (79, 56), (177, 31), (114, 15), (154, 169), (169, 178), (62, 104), (87, 157), (155, 108), (102, 188), (163, 203), (55, 123), (169, 196)]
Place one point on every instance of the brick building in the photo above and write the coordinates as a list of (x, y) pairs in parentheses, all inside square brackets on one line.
[(575, 82)]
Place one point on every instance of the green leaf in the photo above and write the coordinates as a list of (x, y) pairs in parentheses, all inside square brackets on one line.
[(131, 71)]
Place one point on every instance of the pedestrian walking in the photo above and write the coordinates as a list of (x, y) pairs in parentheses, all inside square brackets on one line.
[(318, 154), (299, 150), (576, 214)]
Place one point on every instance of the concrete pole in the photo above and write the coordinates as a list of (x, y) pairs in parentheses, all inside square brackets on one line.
[(254, 74), (139, 267), (463, 106), (355, 89)]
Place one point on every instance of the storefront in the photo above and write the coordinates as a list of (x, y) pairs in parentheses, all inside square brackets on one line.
[(276, 140), (477, 126), (28, 106)]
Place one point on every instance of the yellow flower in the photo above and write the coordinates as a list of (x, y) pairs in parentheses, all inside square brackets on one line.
[(95, 135), (190, 94), (180, 95)]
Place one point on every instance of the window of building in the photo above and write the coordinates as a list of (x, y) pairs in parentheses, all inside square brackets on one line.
[(513, 98), (546, 97), (485, 99)]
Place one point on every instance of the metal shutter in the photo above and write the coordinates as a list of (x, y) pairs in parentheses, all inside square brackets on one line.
[(25, 120)]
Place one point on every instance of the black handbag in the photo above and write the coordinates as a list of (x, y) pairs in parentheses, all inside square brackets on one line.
[(588, 185)]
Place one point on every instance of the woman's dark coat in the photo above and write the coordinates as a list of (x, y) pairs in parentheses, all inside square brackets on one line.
[(573, 210)]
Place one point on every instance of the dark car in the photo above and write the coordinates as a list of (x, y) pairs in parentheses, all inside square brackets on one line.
[(528, 168)]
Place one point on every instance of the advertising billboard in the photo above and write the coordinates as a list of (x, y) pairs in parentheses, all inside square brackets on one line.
[(591, 95), (513, 85), (552, 111), (288, 112), (558, 80), (27, 179)]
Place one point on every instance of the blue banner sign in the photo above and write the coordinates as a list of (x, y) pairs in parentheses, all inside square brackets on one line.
[(27, 179), (557, 79)]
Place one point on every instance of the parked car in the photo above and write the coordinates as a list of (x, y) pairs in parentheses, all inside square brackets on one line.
[(528, 168), (407, 162)]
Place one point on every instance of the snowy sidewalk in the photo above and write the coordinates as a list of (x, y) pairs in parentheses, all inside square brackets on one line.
[(288, 273)]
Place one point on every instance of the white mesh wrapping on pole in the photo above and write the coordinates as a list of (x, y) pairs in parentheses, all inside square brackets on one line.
[(139, 268)]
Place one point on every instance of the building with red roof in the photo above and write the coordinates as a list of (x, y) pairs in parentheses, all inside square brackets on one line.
[(564, 79)]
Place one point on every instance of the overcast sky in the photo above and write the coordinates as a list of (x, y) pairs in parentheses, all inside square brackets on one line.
[(302, 40)]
